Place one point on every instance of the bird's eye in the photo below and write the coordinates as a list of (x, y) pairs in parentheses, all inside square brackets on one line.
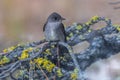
[(55, 18)]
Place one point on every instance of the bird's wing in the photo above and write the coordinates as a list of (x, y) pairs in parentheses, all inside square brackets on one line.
[(44, 27), (63, 29)]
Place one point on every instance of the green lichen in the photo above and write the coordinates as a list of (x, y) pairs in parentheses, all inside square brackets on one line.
[(89, 30), (47, 51), (71, 34), (4, 60), (59, 73), (117, 27), (79, 27), (81, 37), (94, 18), (74, 74), (68, 38)]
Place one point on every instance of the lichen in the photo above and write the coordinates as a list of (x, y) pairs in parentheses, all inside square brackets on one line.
[(4, 60), (9, 49), (44, 63), (88, 23), (79, 27), (71, 34), (47, 51), (117, 27), (68, 38), (25, 53), (94, 18), (74, 74), (59, 73)]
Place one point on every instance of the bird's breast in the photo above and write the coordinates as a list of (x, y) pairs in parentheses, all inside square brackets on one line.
[(53, 32)]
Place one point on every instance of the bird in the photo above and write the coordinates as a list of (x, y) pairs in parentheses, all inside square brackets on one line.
[(54, 29), (55, 32)]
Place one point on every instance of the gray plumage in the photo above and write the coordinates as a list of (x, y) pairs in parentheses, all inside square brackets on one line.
[(54, 29)]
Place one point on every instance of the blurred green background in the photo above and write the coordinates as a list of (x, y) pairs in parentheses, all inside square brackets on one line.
[(23, 20)]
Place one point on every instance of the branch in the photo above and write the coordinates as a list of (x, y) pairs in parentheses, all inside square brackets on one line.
[(104, 43)]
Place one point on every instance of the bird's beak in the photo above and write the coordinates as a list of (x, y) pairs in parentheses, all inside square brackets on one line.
[(63, 18)]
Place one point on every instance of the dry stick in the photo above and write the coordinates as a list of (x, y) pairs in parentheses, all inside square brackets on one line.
[(44, 73), (58, 56), (54, 78)]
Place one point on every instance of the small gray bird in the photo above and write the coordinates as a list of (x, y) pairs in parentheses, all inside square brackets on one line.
[(54, 29)]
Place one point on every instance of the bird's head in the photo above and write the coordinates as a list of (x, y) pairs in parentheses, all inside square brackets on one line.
[(55, 17)]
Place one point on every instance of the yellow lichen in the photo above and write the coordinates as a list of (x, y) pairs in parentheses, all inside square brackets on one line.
[(106, 19), (4, 60), (59, 73), (5, 51), (47, 51), (71, 34), (67, 38), (89, 30), (53, 46), (94, 18), (79, 27), (74, 75), (117, 27), (30, 49), (25, 53), (44, 63), (20, 73), (88, 23), (9, 49), (63, 58)]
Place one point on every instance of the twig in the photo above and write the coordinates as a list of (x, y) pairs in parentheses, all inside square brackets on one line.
[(44, 73)]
